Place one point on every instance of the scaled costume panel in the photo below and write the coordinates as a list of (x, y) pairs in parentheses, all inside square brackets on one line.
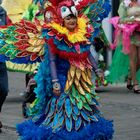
[(20, 9), (125, 35), (75, 113)]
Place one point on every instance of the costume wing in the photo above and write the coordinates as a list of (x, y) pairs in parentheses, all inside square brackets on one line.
[(22, 42), (96, 12)]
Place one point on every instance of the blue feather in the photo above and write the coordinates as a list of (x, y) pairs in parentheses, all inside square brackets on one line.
[(47, 121), (68, 124), (52, 107), (94, 118), (61, 120), (78, 123), (74, 116), (68, 107), (55, 121), (94, 102), (48, 106), (60, 113), (85, 116), (76, 110), (60, 103)]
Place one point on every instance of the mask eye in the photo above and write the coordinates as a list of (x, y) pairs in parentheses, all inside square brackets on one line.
[(65, 11), (74, 11)]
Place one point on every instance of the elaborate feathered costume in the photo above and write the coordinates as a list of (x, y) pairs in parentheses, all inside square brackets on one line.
[(74, 114)]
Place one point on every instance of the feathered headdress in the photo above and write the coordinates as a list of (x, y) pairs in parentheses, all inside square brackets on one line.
[(57, 10)]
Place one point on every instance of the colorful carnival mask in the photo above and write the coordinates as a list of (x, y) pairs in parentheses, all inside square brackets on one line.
[(59, 9)]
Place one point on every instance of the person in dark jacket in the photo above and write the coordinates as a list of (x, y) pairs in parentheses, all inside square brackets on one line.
[(3, 70)]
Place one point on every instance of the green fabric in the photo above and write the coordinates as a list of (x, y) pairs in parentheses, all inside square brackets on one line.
[(119, 68)]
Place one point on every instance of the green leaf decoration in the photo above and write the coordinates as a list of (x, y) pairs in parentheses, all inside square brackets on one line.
[(83, 98), (86, 106), (3, 50), (75, 94), (80, 104), (72, 99), (88, 97), (9, 53), (11, 46)]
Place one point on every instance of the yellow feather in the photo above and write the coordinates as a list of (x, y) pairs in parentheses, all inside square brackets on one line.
[(78, 35), (78, 73)]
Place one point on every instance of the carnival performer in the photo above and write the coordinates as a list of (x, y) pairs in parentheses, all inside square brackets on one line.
[(66, 106), (126, 59)]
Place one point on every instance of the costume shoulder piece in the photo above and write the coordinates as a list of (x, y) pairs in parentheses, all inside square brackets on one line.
[(22, 42)]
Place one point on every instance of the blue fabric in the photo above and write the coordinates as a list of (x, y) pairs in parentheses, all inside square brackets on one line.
[(101, 130)]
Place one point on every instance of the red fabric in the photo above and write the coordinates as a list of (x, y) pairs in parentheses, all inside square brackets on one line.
[(66, 55), (84, 3)]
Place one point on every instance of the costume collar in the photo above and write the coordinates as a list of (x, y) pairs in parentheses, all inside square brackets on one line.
[(80, 34)]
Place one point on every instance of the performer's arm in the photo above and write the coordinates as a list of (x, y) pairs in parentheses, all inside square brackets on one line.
[(55, 80)]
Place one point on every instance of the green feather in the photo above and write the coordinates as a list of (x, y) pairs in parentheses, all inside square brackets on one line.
[(86, 106), (80, 104)]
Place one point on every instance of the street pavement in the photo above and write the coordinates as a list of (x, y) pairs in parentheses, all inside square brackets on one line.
[(117, 104)]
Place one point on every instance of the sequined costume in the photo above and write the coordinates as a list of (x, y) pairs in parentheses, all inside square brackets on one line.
[(18, 11), (125, 35), (75, 113)]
